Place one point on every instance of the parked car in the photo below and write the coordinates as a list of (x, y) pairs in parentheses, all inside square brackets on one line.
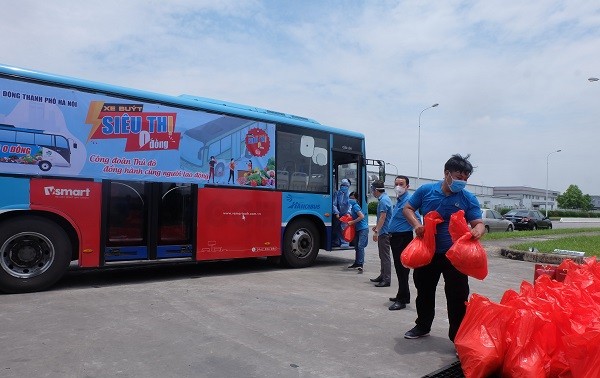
[(494, 221), (528, 219)]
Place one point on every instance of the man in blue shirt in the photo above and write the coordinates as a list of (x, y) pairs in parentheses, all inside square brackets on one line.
[(401, 234), (446, 197), (381, 233), (361, 226)]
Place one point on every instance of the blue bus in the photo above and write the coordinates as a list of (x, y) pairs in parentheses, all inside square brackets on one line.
[(107, 176)]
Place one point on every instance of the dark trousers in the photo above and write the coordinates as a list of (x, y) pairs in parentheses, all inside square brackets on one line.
[(398, 242), (383, 244), (456, 287)]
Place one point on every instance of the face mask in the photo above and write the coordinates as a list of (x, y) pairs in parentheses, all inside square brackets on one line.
[(400, 190), (457, 185), (344, 188), (352, 201)]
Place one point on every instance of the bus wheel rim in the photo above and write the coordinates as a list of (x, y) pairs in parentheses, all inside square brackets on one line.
[(27, 254), (302, 243)]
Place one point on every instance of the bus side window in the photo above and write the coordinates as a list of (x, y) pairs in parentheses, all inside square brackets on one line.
[(316, 183), (283, 180), (298, 181)]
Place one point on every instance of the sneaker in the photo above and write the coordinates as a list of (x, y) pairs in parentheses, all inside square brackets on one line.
[(355, 265), (415, 333), (360, 269)]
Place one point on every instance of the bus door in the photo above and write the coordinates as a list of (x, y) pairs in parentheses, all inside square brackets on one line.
[(348, 163), (147, 221)]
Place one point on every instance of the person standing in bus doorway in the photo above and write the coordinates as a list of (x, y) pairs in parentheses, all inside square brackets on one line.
[(361, 226), (341, 206), (446, 197), (211, 169), (401, 233), (381, 233), (231, 171)]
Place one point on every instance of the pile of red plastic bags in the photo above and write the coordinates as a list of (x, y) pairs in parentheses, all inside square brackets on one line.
[(548, 329)]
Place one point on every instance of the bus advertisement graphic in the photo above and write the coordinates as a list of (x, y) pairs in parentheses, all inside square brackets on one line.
[(66, 133), (143, 131)]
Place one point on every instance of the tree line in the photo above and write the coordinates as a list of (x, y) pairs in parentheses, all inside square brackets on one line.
[(573, 198)]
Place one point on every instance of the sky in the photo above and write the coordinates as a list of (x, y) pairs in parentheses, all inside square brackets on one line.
[(510, 77)]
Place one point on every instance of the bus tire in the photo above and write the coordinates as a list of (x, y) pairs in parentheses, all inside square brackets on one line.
[(45, 165), (300, 244), (34, 254)]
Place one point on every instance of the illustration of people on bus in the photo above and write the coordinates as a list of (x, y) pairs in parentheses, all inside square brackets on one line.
[(231, 171), (259, 176), (211, 171)]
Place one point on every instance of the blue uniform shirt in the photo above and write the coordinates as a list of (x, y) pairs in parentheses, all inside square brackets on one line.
[(431, 197), (399, 222), (363, 223), (384, 206)]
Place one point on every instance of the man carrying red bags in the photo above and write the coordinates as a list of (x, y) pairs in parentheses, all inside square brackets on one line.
[(357, 222), (445, 197)]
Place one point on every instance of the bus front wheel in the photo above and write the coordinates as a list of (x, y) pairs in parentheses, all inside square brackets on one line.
[(34, 254), (45, 165), (300, 244)]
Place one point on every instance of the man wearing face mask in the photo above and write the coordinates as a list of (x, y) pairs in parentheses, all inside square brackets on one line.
[(341, 206), (381, 233), (401, 233), (361, 226), (446, 197)]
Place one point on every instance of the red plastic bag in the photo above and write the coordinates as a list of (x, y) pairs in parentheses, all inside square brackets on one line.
[(458, 226), (469, 257), (466, 254), (480, 338), (525, 355), (583, 353), (549, 270), (348, 231), (419, 251)]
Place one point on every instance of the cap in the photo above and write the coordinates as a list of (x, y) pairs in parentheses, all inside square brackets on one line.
[(345, 182), (378, 185)]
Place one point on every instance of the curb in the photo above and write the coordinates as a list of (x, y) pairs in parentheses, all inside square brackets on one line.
[(536, 257)]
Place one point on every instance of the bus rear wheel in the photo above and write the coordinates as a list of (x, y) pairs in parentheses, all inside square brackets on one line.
[(34, 254), (300, 244)]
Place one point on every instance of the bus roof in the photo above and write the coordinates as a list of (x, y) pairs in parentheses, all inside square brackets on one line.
[(185, 101), (6, 126)]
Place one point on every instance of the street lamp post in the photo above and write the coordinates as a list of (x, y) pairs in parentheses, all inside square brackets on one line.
[(547, 161), (419, 145), (393, 165)]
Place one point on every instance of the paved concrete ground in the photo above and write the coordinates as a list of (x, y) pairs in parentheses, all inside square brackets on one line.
[(229, 319)]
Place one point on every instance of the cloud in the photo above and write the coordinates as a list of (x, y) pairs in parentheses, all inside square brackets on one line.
[(510, 77)]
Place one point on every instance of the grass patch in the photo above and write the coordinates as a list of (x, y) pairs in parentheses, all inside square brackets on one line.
[(572, 240), (531, 234), (583, 243)]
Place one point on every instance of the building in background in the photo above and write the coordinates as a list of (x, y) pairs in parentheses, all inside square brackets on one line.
[(491, 197)]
